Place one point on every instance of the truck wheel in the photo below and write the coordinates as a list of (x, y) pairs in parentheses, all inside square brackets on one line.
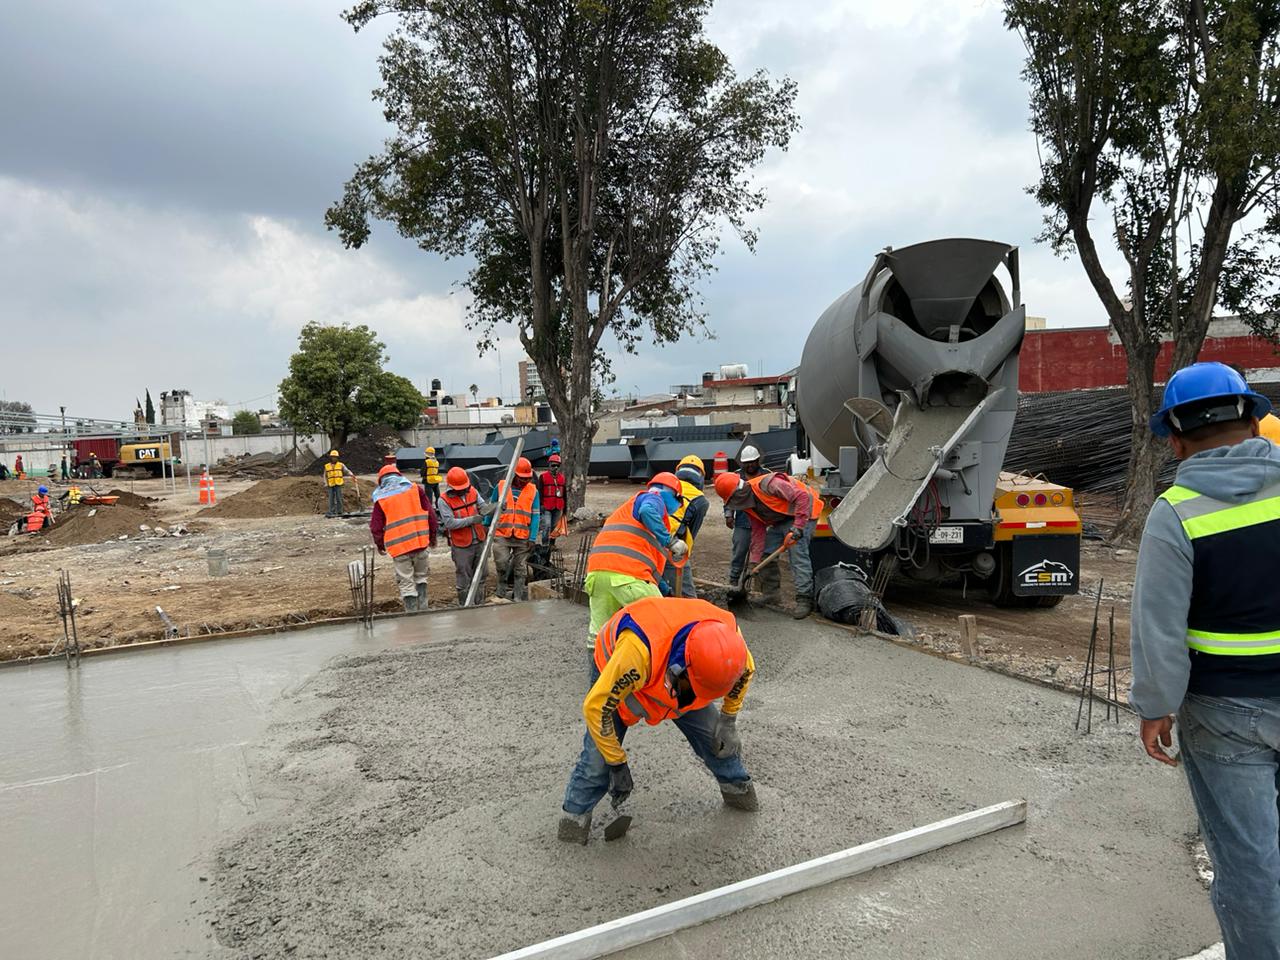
[(1001, 587)]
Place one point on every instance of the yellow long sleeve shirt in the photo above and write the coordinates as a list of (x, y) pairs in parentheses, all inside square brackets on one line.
[(626, 672)]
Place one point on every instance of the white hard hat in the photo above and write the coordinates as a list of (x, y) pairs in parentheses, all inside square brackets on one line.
[(748, 453)]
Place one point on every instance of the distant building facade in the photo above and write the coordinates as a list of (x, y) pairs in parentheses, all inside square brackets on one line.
[(530, 382)]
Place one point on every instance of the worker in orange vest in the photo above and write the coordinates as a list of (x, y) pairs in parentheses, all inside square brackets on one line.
[(462, 514), (514, 525), (783, 511), (661, 659), (635, 543), (41, 515), (17, 467), (404, 525), (552, 484)]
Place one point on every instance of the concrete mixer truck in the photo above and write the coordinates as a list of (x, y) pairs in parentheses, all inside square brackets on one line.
[(906, 394)]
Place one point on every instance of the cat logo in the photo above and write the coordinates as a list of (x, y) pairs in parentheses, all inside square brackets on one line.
[(1047, 573)]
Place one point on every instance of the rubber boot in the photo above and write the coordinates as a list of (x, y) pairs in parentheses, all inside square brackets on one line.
[(521, 592), (740, 796), (462, 597), (422, 597), (410, 603), (769, 583), (575, 829), (804, 607)]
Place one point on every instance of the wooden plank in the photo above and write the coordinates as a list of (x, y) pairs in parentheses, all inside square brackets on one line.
[(969, 635), (638, 928)]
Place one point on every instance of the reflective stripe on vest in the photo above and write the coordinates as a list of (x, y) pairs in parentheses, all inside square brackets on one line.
[(1230, 543), (656, 620), (625, 545), (516, 519), (408, 527), (463, 508), (432, 469), (778, 505), (333, 475), (688, 493)]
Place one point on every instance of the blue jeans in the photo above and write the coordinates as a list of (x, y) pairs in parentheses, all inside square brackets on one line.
[(335, 502), (797, 556), (741, 545), (687, 589), (589, 781), (1231, 751)]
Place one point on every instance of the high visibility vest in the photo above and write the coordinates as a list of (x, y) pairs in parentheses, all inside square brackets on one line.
[(662, 623), (333, 474), (408, 527), (40, 504), (1235, 609), (35, 521), (74, 494), (688, 493), (516, 517), (552, 485), (625, 545), (776, 506), (432, 470), (463, 505)]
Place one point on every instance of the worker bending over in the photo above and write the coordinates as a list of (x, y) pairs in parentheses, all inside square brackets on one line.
[(552, 485), (685, 523), (514, 529), (749, 466), (335, 475), (783, 511), (1205, 639), (431, 474), (629, 552), (404, 525), (661, 659), (462, 515)]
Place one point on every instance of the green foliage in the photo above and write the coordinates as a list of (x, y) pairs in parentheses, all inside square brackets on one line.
[(336, 384), (16, 417), (150, 409), (245, 422)]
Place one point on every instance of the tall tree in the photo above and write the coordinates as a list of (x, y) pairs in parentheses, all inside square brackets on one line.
[(1166, 115), (151, 409), (16, 416), (245, 422), (336, 384), (587, 156)]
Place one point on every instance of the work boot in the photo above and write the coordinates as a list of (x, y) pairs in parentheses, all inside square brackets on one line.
[(462, 597), (740, 796), (410, 603), (804, 607), (422, 597), (521, 591), (575, 829)]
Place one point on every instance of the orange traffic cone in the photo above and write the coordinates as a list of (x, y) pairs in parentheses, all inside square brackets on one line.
[(207, 494)]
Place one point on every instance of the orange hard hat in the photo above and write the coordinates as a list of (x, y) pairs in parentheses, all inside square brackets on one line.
[(554, 458), (524, 468), (667, 480), (457, 479), (727, 485), (715, 656), (388, 469)]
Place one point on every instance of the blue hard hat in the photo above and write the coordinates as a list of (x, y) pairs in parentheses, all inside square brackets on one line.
[(42, 491), (1206, 381)]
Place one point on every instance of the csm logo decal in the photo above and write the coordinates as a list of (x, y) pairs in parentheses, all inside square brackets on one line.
[(1047, 573)]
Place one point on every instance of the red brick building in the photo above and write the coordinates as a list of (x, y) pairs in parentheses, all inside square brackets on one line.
[(1082, 358)]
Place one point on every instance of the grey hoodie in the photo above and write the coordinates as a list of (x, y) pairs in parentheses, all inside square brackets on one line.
[(1162, 589)]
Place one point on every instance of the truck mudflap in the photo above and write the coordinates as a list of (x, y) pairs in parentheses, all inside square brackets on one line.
[(1045, 566)]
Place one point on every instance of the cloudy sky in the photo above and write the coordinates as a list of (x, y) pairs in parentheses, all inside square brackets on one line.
[(165, 167)]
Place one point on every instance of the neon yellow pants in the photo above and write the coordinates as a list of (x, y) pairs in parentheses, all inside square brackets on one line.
[(609, 593)]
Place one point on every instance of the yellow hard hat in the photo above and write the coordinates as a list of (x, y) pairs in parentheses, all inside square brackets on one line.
[(333, 453), (692, 461), (431, 450)]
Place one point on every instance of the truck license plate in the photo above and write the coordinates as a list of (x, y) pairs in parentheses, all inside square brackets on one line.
[(947, 535)]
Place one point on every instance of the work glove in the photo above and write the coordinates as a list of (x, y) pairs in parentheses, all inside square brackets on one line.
[(664, 588), (793, 537), (487, 508), (475, 521), (679, 549), (728, 521), (620, 782), (725, 741)]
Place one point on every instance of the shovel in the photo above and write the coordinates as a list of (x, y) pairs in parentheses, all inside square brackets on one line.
[(737, 596)]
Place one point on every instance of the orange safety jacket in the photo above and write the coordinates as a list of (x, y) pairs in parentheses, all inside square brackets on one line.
[(776, 504), (516, 518), (656, 621), (41, 504), (407, 528), (466, 504), (35, 521), (625, 545)]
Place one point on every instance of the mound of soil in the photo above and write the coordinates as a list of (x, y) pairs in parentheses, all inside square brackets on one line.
[(286, 497), (12, 607), (363, 454), (107, 523), (128, 499)]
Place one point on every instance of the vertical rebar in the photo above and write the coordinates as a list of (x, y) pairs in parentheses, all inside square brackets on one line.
[(1086, 682)]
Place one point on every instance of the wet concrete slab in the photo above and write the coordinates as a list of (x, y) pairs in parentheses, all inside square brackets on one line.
[(116, 777)]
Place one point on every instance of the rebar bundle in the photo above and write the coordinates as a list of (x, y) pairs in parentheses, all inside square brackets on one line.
[(360, 579), (67, 611)]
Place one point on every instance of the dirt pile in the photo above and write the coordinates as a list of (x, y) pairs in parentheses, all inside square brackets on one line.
[(362, 454), (257, 466), (128, 499), (13, 608), (77, 527), (285, 497)]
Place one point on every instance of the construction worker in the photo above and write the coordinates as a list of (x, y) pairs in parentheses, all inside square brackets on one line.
[(635, 543), (95, 467), (749, 466), (661, 659), (4, 471), (515, 527), (65, 474), (17, 467), (1205, 638), (431, 474), (552, 485), (404, 524), (41, 515), (686, 522), (335, 475), (462, 514), (782, 511)]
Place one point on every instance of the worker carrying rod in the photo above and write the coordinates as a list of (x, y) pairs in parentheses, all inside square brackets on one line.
[(661, 659), (1205, 639), (462, 514), (515, 526), (629, 552)]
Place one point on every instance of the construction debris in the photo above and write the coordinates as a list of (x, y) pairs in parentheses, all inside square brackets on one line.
[(285, 497)]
